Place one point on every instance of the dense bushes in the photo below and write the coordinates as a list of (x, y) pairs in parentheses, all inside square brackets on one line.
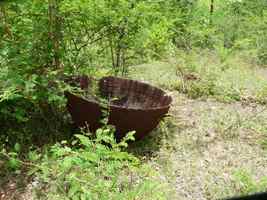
[(91, 170), (44, 40)]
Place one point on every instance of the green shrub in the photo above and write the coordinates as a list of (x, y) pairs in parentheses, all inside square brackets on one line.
[(96, 169), (28, 103)]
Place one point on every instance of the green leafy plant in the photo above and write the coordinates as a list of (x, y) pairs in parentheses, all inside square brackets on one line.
[(96, 169), (247, 184)]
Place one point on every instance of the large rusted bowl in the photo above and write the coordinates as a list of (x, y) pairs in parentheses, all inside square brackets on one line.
[(134, 106)]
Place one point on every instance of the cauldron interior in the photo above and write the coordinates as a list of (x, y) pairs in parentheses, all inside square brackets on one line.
[(133, 94)]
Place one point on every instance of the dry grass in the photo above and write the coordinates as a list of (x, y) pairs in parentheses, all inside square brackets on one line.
[(228, 81), (201, 155), (209, 142)]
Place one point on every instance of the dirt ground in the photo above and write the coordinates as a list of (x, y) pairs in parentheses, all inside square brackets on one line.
[(213, 141), (16, 188)]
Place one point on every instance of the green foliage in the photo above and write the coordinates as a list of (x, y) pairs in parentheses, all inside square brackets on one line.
[(12, 160), (45, 40), (96, 169), (247, 184), (26, 104), (238, 25)]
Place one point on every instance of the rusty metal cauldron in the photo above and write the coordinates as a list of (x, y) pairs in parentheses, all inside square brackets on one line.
[(133, 105)]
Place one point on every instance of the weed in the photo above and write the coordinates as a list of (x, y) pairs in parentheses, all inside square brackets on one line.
[(96, 169), (246, 184), (220, 74)]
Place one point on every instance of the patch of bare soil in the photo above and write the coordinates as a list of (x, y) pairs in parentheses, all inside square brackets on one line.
[(16, 188), (263, 72), (215, 142)]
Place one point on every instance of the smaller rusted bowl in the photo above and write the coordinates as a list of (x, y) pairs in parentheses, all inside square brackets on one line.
[(133, 105)]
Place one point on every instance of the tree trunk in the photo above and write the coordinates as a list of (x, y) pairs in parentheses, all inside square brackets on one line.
[(55, 31), (211, 10)]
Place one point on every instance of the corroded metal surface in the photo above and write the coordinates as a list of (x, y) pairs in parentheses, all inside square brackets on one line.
[(133, 105)]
